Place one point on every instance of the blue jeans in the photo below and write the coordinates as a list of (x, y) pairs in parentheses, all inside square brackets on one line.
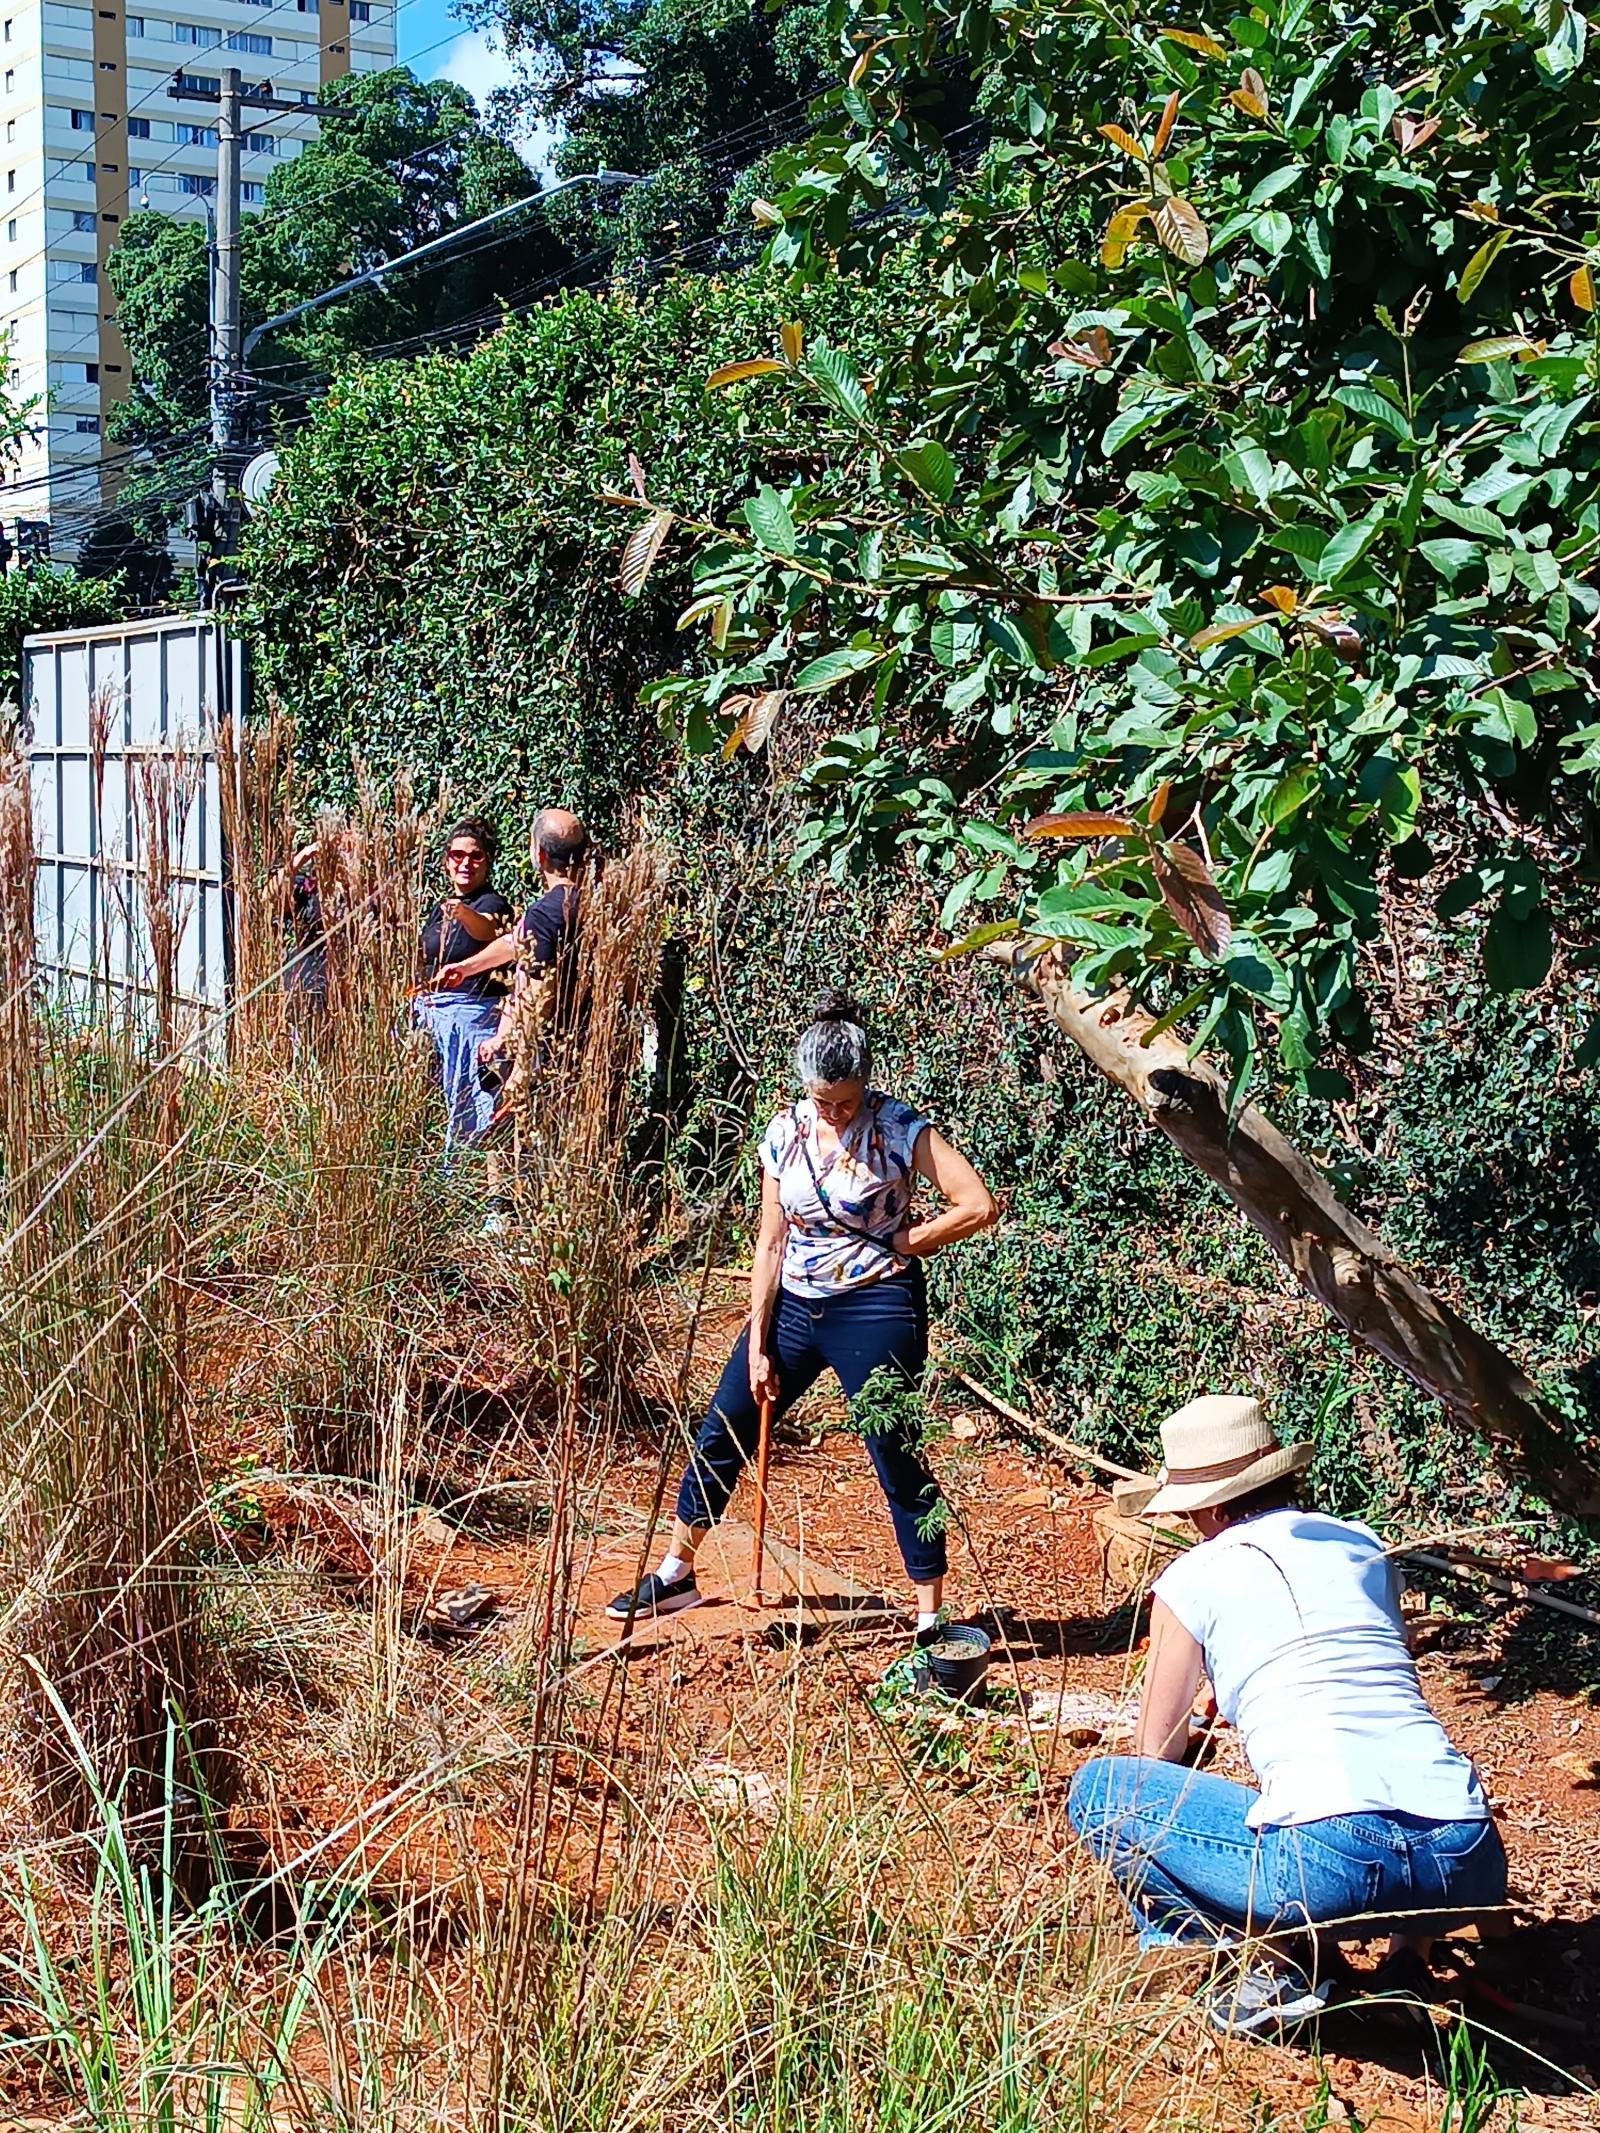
[(880, 1325), (1178, 1847), (458, 1026)]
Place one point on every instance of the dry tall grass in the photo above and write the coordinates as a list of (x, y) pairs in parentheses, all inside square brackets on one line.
[(520, 1914)]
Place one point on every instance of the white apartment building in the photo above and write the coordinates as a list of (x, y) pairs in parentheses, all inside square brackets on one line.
[(88, 132)]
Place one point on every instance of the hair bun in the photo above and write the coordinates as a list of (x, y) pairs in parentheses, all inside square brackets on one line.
[(839, 1007)]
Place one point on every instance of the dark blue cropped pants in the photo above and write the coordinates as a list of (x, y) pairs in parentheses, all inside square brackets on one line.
[(880, 1325)]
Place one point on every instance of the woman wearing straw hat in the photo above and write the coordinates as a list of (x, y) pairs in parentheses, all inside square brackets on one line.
[(1366, 1813)]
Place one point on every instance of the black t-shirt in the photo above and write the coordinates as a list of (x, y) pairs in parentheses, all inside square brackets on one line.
[(550, 928), (307, 968), (443, 944)]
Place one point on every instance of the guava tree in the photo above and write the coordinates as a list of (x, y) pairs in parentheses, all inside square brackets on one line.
[(1216, 562)]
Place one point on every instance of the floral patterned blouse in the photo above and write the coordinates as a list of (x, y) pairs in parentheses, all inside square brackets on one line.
[(866, 1184)]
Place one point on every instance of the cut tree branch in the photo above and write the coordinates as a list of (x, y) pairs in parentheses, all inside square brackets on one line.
[(1334, 1256)]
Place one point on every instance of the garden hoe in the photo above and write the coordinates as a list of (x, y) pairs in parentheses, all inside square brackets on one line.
[(758, 1550)]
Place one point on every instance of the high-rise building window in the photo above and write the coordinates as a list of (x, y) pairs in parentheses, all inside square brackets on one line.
[(138, 129), (11, 231), (197, 136), (251, 193), (8, 33), (11, 181), (135, 179), (250, 41), (83, 219), (87, 272), (91, 373), (13, 281), (82, 121), (196, 188), (11, 79), (195, 33), (136, 25), (261, 144), (11, 129), (87, 425)]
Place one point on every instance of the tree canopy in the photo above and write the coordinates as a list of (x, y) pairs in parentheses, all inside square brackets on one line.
[(400, 162), (1217, 558), (691, 94)]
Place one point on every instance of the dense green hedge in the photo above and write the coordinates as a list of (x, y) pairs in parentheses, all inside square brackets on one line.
[(434, 587)]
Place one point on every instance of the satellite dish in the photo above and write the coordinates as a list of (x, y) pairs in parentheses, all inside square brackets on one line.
[(258, 477)]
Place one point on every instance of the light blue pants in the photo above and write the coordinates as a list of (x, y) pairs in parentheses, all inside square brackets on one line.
[(458, 1027), (1179, 1849)]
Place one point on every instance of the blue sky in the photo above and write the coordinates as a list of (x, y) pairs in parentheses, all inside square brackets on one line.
[(434, 41)]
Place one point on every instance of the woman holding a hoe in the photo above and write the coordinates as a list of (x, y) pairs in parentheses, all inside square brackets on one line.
[(837, 1284)]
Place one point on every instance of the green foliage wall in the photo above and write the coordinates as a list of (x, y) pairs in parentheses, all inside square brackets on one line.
[(435, 587)]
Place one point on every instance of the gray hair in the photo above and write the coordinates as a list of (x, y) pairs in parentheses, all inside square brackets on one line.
[(835, 1047)]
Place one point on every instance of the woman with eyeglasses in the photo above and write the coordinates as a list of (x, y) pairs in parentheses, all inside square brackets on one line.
[(458, 1017)]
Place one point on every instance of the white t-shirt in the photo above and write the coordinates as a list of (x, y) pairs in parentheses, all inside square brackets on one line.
[(1299, 1619), (839, 1236)]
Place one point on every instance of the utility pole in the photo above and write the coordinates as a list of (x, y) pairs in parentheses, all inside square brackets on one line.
[(232, 99), (227, 322)]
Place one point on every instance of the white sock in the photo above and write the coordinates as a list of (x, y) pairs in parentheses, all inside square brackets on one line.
[(925, 1620), (672, 1568)]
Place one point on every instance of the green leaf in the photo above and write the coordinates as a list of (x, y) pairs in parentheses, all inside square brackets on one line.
[(1471, 518), (1480, 263), (1291, 793), (767, 515), (1517, 952), (930, 466), (1450, 557), (1346, 548), (1002, 929), (1366, 400), (831, 668), (1129, 421), (838, 381)]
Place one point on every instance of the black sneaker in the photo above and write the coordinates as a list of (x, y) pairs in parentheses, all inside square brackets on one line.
[(652, 1597)]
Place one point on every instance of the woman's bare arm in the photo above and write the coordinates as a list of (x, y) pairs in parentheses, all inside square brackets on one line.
[(969, 1204), (765, 1271), (486, 926), (500, 951), (1172, 1671)]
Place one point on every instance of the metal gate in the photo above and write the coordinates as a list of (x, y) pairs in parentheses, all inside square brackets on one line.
[(98, 705)]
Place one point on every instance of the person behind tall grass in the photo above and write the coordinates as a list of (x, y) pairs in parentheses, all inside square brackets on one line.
[(837, 1284), (460, 1013), (1367, 1819)]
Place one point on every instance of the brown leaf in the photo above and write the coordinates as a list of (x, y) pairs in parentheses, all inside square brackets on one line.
[(1220, 632), (793, 337), (1181, 231), (1120, 233), (734, 373), (1192, 897), (1411, 132), (1120, 137), (754, 722), (1197, 41), (1158, 803), (1282, 597), (640, 550), (1169, 119), (1250, 101), (1485, 210), (1581, 288), (1085, 823), (1328, 626), (1090, 351), (1546, 1570)]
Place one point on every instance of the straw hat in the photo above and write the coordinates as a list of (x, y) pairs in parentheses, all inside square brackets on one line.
[(1218, 1447)]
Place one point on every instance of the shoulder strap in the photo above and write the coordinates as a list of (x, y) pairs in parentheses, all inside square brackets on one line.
[(851, 1229)]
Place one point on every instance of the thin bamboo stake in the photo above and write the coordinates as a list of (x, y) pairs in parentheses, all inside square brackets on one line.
[(763, 1451), (1515, 1588), (1057, 1443)]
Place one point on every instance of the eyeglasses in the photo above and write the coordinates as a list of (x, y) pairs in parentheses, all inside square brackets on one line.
[(466, 858)]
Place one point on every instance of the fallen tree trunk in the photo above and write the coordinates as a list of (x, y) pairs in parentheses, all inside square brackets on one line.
[(1343, 1264)]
